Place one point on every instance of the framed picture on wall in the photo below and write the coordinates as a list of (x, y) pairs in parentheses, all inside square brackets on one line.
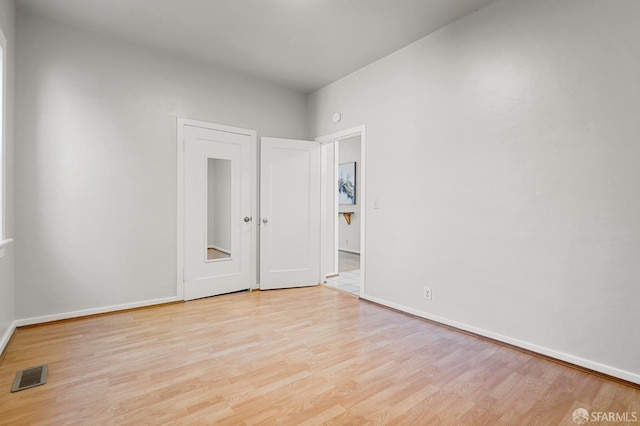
[(347, 184)]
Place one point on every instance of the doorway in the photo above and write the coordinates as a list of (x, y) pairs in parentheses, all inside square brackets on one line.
[(344, 210), (298, 219), (218, 211)]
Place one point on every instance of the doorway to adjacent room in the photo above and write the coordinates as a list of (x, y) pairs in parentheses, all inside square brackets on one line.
[(344, 209)]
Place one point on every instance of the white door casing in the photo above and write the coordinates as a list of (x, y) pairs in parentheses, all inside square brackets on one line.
[(289, 213), (204, 141)]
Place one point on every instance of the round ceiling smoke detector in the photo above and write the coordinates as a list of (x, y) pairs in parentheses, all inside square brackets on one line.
[(337, 117)]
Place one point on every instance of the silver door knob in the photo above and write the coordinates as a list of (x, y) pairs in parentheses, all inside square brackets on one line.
[(247, 219), (265, 220)]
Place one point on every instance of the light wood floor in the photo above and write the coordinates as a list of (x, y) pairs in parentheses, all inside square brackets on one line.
[(301, 356)]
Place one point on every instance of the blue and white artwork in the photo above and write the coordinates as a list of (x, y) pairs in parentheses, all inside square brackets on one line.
[(347, 184)]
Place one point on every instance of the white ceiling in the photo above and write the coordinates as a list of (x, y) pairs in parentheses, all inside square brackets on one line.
[(301, 44)]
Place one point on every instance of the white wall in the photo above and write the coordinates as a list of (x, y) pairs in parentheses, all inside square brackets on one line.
[(504, 151), (219, 204), (349, 234), (7, 24), (96, 161)]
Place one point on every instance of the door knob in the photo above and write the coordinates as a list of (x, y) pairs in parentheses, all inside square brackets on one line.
[(265, 220), (247, 219)]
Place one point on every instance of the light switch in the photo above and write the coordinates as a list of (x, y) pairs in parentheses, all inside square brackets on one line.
[(376, 203)]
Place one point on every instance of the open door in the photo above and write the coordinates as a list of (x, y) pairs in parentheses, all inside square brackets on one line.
[(289, 213)]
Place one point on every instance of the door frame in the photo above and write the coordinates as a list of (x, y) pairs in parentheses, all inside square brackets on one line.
[(180, 148), (324, 220)]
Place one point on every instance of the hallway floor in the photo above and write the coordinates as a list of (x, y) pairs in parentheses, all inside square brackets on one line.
[(346, 281), (349, 273)]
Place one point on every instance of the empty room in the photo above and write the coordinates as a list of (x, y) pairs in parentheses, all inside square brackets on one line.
[(319, 212)]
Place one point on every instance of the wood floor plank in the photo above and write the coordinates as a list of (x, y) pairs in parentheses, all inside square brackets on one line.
[(298, 356)]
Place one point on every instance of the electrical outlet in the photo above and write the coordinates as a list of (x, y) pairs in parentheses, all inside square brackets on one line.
[(427, 293)]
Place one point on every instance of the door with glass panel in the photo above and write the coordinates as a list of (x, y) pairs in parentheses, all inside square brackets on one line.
[(217, 210)]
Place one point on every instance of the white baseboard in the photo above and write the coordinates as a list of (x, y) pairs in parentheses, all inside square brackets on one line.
[(348, 251), (4, 340), (611, 371), (94, 311)]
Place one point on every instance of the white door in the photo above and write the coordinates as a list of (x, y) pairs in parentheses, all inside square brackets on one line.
[(289, 213), (217, 210)]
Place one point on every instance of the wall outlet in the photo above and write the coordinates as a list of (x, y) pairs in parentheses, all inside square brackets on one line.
[(427, 293)]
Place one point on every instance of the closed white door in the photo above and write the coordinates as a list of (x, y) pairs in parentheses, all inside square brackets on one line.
[(289, 213), (217, 210)]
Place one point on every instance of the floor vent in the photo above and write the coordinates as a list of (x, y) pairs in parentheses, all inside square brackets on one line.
[(34, 376)]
